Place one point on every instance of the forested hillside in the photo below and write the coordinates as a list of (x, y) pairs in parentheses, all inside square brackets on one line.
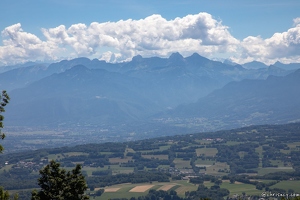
[(263, 158)]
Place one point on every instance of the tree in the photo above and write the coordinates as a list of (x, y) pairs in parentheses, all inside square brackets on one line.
[(218, 182), (4, 195), (4, 100), (99, 192), (58, 184)]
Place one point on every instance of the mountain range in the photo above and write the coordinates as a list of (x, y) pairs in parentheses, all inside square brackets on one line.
[(247, 102), (93, 92)]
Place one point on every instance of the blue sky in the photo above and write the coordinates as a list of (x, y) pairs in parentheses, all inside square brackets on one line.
[(41, 29)]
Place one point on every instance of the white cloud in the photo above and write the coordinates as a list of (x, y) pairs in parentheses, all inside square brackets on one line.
[(152, 36), (284, 47), (109, 56), (21, 46), (297, 21)]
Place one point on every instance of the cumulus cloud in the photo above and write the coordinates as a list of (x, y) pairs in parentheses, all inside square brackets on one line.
[(284, 47), (20, 46), (151, 36), (296, 21)]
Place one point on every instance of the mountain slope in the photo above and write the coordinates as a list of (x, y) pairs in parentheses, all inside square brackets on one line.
[(79, 95), (291, 66), (22, 76), (274, 100), (254, 65), (84, 91)]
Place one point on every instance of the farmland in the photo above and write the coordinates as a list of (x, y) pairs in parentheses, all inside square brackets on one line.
[(240, 161)]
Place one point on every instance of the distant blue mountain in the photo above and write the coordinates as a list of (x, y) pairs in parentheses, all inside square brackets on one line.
[(255, 65), (247, 102), (79, 95), (27, 64), (84, 91), (291, 66)]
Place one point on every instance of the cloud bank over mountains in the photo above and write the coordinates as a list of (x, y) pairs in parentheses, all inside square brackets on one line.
[(151, 36)]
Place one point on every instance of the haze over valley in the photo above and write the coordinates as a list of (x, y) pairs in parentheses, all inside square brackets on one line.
[(147, 97)]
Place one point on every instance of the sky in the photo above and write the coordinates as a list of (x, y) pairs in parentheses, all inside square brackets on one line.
[(116, 30)]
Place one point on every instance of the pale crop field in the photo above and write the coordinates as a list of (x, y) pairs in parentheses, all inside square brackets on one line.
[(120, 160), (128, 190), (111, 189), (141, 188), (160, 157)]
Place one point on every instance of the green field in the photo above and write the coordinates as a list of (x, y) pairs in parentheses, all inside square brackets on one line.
[(161, 148), (182, 164), (120, 160), (214, 169), (6, 168), (279, 163), (90, 170), (207, 151), (267, 170), (116, 169), (75, 154), (294, 185), (293, 146), (236, 188), (231, 143), (129, 150), (239, 188), (259, 150), (203, 141), (54, 156)]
